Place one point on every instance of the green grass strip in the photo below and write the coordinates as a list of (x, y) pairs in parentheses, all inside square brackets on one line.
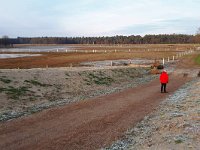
[(197, 60)]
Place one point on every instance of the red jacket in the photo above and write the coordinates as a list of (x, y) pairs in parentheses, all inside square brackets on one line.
[(164, 77)]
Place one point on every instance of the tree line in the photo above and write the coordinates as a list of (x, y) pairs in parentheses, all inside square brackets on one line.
[(5, 41)]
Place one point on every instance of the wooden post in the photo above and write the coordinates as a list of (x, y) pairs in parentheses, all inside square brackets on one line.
[(168, 59), (163, 61), (173, 58)]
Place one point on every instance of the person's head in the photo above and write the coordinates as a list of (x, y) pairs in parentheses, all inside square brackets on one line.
[(165, 71)]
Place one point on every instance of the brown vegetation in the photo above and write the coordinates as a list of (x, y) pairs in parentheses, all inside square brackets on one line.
[(72, 59), (104, 52)]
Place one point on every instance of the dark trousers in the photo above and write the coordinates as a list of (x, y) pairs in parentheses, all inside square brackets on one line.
[(163, 87)]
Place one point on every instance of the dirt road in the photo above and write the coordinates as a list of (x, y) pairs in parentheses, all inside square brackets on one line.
[(89, 124)]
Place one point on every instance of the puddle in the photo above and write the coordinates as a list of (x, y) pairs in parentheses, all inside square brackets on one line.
[(118, 62), (3, 56)]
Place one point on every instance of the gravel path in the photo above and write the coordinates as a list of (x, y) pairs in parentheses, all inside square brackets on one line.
[(175, 124), (89, 124)]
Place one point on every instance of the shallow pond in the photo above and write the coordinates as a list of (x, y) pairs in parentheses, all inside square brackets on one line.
[(3, 56)]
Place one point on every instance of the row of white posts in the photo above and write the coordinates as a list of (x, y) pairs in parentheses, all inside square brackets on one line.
[(173, 57), (105, 51), (95, 51), (101, 51), (163, 60), (87, 51), (177, 56)]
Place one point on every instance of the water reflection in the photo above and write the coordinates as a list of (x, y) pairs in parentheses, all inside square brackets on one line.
[(17, 55)]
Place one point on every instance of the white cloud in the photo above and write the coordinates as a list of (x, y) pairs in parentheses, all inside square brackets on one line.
[(95, 17)]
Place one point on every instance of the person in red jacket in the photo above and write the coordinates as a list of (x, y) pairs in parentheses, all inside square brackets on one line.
[(164, 79)]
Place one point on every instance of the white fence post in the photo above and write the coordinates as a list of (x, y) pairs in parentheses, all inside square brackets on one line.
[(163, 61)]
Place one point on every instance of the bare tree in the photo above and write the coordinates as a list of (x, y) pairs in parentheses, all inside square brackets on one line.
[(197, 36), (198, 31), (5, 40)]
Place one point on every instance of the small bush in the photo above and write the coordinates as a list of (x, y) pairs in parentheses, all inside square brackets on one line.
[(160, 67), (198, 74), (99, 79), (15, 93), (36, 83), (5, 80)]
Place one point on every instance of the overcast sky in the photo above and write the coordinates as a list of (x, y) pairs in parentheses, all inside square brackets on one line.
[(30, 18)]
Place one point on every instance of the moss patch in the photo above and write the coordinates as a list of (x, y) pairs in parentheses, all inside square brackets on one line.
[(5, 80), (36, 83), (197, 60), (98, 78), (15, 93)]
